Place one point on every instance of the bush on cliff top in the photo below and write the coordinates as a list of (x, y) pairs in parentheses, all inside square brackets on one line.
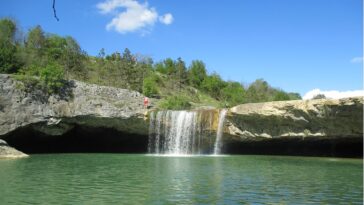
[(175, 103), (49, 79)]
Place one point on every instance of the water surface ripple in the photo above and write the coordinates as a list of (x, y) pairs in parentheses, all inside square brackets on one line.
[(143, 179)]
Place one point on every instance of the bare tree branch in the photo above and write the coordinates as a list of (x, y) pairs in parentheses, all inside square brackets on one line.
[(54, 10)]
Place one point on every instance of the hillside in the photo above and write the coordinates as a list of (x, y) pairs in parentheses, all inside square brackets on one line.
[(45, 62)]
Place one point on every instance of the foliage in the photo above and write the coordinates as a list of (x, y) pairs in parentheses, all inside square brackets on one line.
[(175, 102), (36, 41), (8, 59), (280, 96), (150, 87), (28, 83), (213, 84), (51, 78), (233, 94), (294, 96), (197, 73)]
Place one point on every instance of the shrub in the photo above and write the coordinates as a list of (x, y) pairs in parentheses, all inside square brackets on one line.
[(280, 96), (51, 77), (175, 103), (150, 86)]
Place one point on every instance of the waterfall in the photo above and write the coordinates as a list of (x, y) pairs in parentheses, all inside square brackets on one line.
[(185, 132), (219, 132)]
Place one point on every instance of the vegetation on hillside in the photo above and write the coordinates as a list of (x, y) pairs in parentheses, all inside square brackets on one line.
[(46, 61)]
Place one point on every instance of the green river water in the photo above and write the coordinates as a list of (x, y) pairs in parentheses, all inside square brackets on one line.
[(143, 179)]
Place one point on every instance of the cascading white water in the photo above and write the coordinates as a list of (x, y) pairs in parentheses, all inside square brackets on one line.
[(219, 132), (184, 132)]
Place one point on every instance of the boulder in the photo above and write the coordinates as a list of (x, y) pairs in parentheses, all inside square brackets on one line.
[(9, 152)]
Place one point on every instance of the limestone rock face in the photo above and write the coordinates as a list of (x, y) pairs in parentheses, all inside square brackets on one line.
[(319, 119), (9, 152), (85, 104)]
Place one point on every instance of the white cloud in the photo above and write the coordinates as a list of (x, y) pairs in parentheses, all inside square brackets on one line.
[(135, 16), (357, 60), (334, 94), (166, 19)]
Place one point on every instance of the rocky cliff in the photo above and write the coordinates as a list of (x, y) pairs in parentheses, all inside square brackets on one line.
[(324, 118), (87, 104), (91, 118), (81, 107), (312, 127)]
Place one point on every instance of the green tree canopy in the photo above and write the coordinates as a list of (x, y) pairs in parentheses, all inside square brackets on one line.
[(233, 93), (213, 85), (197, 73), (9, 62), (7, 30), (36, 39)]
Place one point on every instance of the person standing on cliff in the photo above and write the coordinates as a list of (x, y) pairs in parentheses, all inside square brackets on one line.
[(146, 102)]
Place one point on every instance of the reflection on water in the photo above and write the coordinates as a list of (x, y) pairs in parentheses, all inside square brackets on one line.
[(141, 179)]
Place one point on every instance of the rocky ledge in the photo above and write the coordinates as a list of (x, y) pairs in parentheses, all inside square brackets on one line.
[(324, 118), (33, 118), (9, 152), (87, 104), (301, 126)]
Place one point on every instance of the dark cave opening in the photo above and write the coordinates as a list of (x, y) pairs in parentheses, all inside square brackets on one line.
[(80, 139), (84, 139)]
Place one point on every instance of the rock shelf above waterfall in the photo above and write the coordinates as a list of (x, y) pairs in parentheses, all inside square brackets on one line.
[(302, 119)]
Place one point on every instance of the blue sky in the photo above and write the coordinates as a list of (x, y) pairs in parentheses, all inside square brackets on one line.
[(297, 45)]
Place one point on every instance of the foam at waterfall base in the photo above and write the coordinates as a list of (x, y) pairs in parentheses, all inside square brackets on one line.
[(187, 155)]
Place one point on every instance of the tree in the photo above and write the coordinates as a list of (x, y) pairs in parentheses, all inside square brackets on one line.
[(258, 91), (181, 72), (169, 66), (36, 39), (280, 96), (127, 56), (213, 85), (159, 67), (8, 59), (7, 30), (73, 57), (150, 86), (51, 77), (116, 56), (101, 54), (294, 96), (197, 73), (233, 94), (55, 47)]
